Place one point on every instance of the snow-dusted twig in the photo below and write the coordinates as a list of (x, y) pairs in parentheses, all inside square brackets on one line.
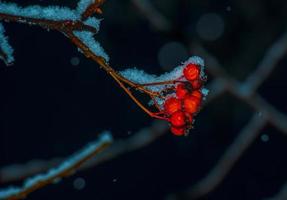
[(72, 23), (66, 168), (136, 141), (6, 51)]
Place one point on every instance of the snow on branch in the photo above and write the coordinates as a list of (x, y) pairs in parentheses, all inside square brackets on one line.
[(6, 53), (88, 39), (87, 7), (55, 13), (141, 77), (50, 13), (67, 168), (78, 24)]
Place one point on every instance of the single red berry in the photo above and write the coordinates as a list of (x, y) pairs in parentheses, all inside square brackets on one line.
[(172, 105), (178, 119), (181, 91), (191, 104), (197, 94), (178, 131), (191, 72), (196, 84)]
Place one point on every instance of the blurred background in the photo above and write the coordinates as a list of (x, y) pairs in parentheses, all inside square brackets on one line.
[(54, 101)]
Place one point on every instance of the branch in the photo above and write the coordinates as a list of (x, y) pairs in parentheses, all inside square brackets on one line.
[(57, 18), (273, 55), (6, 51), (245, 138), (90, 7), (138, 140), (275, 117), (267, 114), (281, 195), (65, 169)]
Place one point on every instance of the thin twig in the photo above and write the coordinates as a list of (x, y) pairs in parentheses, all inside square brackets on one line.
[(65, 169), (136, 141), (265, 112), (275, 117), (68, 28), (273, 55), (245, 138)]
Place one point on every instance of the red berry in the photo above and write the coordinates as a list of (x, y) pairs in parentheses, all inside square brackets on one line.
[(191, 104), (172, 105), (178, 131), (197, 94), (196, 84), (178, 119), (191, 72), (181, 91)]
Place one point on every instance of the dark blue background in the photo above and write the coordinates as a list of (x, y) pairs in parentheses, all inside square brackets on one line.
[(50, 108)]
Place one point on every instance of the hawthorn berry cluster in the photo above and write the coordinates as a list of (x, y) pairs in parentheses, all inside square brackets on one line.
[(185, 100), (177, 95)]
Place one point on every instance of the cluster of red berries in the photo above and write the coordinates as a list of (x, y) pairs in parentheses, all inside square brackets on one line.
[(185, 104)]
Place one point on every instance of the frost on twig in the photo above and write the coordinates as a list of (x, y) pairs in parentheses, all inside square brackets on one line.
[(141, 77), (88, 39), (78, 24), (137, 140), (67, 167), (6, 53)]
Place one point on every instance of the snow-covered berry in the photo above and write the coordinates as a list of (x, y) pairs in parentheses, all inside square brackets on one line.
[(191, 72)]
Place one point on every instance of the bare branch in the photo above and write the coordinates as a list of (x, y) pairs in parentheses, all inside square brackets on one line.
[(265, 112), (273, 55), (245, 138), (275, 117)]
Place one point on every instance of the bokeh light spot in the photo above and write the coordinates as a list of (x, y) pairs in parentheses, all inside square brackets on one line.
[(210, 27)]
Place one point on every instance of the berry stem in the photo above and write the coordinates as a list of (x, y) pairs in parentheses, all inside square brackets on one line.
[(117, 77), (160, 83), (135, 85)]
